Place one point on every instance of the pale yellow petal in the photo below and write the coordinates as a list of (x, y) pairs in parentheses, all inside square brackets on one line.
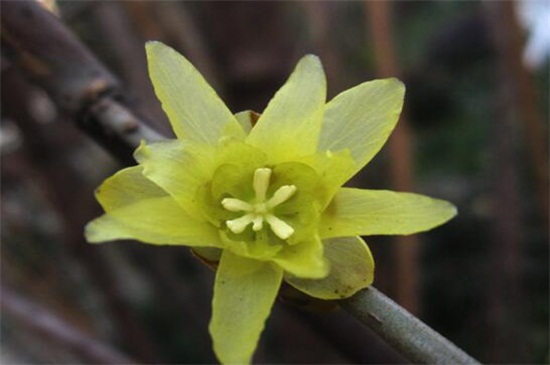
[(195, 111), (244, 293), (362, 118), (304, 259), (126, 187), (155, 221), (351, 269), (357, 212), (247, 119), (290, 125), (180, 168)]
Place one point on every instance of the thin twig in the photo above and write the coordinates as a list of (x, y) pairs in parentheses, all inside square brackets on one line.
[(406, 333), (54, 59), (55, 328)]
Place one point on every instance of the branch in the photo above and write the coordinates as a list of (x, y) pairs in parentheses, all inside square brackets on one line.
[(406, 333), (54, 327), (84, 90)]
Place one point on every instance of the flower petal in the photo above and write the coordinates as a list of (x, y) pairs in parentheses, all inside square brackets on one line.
[(156, 221), (126, 187), (362, 119), (304, 260), (195, 111), (291, 123), (351, 269), (247, 119), (334, 169), (179, 167), (357, 212), (244, 293)]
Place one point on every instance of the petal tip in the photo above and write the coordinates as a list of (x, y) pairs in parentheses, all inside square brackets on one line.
[(152, 45), (400, 86), (90, 234)]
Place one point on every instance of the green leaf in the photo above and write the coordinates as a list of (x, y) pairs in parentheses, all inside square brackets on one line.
[(157, 221), (361, 119), (244, 293), (195, 111), (290, 125), (356, 212), (351, 269)]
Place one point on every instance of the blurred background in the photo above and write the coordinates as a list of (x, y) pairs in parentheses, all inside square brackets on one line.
[(474, 131)]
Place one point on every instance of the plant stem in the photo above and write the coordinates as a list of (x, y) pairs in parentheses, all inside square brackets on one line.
[(406, 333)]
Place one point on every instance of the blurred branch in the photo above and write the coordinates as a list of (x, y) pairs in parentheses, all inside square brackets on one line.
[(127, 48), (50, 55), (400, 153), (53, 57), (406, 333), (74, 208), (55, 328), (514, 100), (521, 93)]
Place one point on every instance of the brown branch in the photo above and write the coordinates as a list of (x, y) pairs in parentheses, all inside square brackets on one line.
[(508, 41), (128, 52), (50, 55), (400, 154), (505, 295), (43, 150), (55, 328)]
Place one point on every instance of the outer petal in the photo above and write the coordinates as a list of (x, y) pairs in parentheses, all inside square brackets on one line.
[(244, 293), (291, 123), (126, 187), (195, 110), (362, 118), (247, 119), (334, 169), (178, 167), (156, 221), (304, 260), (351, 269), (355, 212)]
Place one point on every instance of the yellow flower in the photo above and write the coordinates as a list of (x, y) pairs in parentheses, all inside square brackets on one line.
[(266, 200)]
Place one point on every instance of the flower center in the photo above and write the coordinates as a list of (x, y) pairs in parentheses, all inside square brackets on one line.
[(260, 209)]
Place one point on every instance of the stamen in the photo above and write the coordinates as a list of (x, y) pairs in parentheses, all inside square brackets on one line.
[(257, 223), (282, 194), (236, 205), (238, 225), (279, 227), (259, 210), (261, 183)]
